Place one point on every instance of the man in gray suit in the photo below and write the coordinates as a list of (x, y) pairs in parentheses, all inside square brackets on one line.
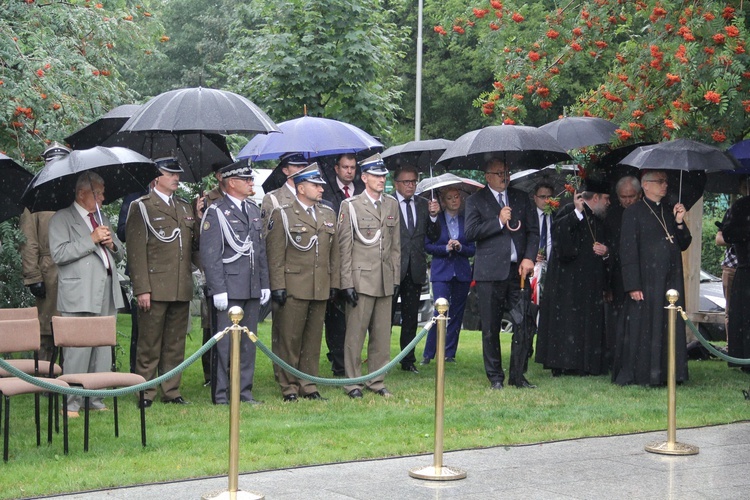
[(234, 261), (86, 253)]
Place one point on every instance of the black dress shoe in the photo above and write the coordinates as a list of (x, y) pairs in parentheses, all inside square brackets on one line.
[(425, 362), (290, 398), (409, 368), (496, 385), (450, 359), (179, 400), (355, 394), (146, 403), (523, 384), (384, 392), (315, 395)]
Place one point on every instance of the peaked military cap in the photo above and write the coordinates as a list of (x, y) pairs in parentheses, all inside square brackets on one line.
[(240, 168), (169, 164), (292, 159), (373, 165), (55, 151), (311, 173)]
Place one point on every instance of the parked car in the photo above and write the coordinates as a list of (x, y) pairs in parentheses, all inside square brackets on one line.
[(711, 300)]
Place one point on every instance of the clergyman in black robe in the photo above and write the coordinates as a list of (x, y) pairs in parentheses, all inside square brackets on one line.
[(736, 231), (653, 238), (570, 338)]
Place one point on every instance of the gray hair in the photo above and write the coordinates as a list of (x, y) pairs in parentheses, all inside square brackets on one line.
[(87, 179), (648, 175), (634, 182)]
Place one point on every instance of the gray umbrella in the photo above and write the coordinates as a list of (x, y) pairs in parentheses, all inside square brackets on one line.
[(13, 180), (428, 185), (421, 154), (124, 172), (573, 132), (518, 146), (95, 133), (200, 110), (680, 154)]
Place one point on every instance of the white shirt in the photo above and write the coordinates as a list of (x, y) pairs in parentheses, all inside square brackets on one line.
[(85, 215), (542, 215), (404, 206), (513, 252)]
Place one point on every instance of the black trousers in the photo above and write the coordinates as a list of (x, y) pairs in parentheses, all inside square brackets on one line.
[(409, 293), (494, 297), (336, 334)]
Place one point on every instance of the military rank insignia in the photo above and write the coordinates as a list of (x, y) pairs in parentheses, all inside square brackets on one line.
[(270, 224), (206, 225)]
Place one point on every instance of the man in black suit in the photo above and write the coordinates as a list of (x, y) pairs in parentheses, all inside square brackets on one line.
[(505, 227), (418, 219), (346, 184)]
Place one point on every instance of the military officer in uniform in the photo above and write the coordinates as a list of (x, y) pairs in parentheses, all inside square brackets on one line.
[(162, 248), (234, 262), (303, 264), (290, 163), (370, 246), (39, 270)]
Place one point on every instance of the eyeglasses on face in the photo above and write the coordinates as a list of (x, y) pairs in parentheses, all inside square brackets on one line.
[(543, 196), (408, 182)]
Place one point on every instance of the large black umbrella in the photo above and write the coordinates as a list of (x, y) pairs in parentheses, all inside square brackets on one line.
[(573, 132), (522, 315), (526, 180), (686, 163), (200, 110), (199, 154), (95, 133), (124, 171), (520, 147), (13, 180), (421, 154)]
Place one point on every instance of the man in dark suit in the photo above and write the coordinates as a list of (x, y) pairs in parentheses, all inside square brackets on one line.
[(346, 184), (234, 261), (504, 225), (418, 220)]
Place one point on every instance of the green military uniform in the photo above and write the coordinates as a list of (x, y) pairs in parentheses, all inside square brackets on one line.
[(370, 245), (303, 259), (280, 197), (162, 247)]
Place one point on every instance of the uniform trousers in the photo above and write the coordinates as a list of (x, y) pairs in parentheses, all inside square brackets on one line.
[(220, 367), (298, 343), (493, 298), (455, 292), (409, 291), (372, 314), (89, 359), (161, 344)]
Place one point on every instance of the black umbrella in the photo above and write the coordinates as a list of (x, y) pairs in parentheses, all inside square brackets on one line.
[(522, 315), (573, 132), (198, 153), (421, 154), (726, 181), (13, 180), (518, 146), (526, 180), (200, 110), (124, 171), (686, 163), (95, 133)]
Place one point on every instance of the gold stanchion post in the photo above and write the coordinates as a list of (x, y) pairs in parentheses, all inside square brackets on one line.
[(234, 493), (671, 446), (437, 471)]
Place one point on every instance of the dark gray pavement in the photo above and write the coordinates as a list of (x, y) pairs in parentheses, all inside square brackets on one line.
[(592, 468)]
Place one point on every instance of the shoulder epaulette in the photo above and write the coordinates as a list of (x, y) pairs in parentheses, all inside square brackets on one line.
[(182, 199), (322, 205), (386, 195)]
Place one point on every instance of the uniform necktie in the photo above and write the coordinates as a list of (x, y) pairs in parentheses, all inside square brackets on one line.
[(500, 200), (346, 191), (94, 225), (377, 206), (244, 209), (543, 236), (311, 211), (409, 216)]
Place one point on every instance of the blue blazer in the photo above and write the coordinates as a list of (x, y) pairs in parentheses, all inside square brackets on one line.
[(445, 264)]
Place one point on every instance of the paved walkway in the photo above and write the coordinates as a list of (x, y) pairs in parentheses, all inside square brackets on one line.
[(593, 468)]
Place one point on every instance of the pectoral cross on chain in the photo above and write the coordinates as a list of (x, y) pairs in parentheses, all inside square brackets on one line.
[(670, 238)]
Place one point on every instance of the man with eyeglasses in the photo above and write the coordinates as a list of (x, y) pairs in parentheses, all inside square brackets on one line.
[(654, 235), (418, 220), (542, 193), (505, 227), (234, 261)]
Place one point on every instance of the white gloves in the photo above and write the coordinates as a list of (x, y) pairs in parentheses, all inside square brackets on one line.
[(221, 301), (265, 296)]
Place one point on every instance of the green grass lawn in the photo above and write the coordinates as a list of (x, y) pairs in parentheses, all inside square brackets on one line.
[(191, 441)]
